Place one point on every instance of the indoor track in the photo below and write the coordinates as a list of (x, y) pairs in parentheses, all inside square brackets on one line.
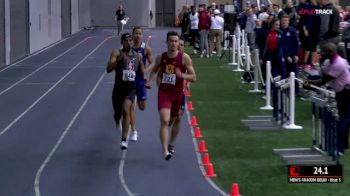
[(58, 136)]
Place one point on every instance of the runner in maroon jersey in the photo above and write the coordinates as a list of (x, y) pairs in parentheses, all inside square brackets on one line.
[(172, 67)]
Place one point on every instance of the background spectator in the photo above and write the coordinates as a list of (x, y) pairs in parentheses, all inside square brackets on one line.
[(119, 16)]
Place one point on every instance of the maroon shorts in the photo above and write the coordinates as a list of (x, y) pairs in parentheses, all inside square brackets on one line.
[(171, 101)]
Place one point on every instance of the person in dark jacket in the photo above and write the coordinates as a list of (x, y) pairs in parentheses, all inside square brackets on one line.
[(290, 47), (261, 32), (329, 30), (309, 33), (273, 50)]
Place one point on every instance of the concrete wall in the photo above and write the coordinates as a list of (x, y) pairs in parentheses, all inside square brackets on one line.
[(66, 17), (84, 13), (75, 16), (2, 33), (45, 20), (18, 38), (103, 12)]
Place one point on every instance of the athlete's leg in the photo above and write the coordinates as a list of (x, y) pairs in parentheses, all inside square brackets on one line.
[(164, 114), (126, 117), (175, 129), (117, 100), (141, 93), (133, 117), (177, 109), (141, 104)]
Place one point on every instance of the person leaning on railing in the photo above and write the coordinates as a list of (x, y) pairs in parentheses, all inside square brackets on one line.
[(336, 72)]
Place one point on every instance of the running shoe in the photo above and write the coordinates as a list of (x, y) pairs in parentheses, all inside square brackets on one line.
[(133, 136), (123, 145), (168, 156), (171, 149)]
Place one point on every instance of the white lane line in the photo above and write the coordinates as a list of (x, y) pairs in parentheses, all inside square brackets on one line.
[(199, 157), (38, 69), (48, 91), (48, 158), (121, 174), (121, 166), (34, 54)]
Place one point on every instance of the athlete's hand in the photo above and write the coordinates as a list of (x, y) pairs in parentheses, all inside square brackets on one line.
[(178, 73), (147, 83)]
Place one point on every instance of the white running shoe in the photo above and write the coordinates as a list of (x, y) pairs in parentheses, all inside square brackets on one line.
[(133, 136), (123, 145)]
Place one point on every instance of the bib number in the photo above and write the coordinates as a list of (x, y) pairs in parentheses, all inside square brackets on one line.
[(129, 75), (169, 79)]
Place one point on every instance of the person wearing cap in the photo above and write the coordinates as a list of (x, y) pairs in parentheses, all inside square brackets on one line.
[(126, 63), (216, 32), (173, 67)]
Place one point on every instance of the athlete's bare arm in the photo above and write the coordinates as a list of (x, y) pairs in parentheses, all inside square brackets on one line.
[(148, 52), (190, 74), (142, 66), (112, 63), (154, 71)]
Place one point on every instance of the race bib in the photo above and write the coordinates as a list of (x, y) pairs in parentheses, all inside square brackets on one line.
[(169, 78), (129, 75)]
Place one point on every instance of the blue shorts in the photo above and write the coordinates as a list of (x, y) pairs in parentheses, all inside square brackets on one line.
[(140, 89)]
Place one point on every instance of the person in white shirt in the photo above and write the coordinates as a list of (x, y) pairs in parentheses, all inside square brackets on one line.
[(193, 31), (216, 32)]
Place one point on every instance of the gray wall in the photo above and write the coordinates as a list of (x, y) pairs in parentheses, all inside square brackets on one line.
[(2, 33), (66, 17), (102, 12), (84, 13), (19, 29), (45, 23), (165, 13)]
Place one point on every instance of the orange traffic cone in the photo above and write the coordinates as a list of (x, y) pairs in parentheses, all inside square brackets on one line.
[(202, 147), (194, 121), (190, 106), (197, 133), (205, 160), (210, 171), (187, 93), (234, 190)]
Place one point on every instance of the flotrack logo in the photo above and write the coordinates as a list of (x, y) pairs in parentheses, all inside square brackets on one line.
[(315, 12)]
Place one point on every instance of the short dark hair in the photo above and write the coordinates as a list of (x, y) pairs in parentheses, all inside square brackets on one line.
[(273, 21), (135, 28), (172, 33), (182, 38), (285, 16), (329, 48)]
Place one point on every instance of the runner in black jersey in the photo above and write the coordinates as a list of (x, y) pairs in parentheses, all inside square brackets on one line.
[(126, 63)]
